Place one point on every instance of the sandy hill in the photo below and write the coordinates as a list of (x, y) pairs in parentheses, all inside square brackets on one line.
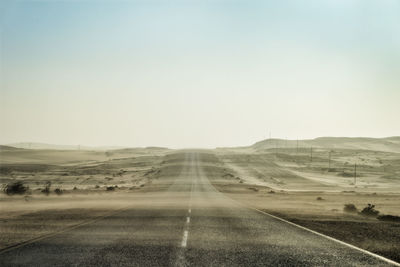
[(9, 155), (33, 145), (8, 148), (389, 144)]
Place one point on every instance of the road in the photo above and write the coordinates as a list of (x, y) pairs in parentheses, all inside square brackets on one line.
[(189, 223)]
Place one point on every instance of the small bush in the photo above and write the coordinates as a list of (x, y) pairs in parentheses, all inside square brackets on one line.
[(370, 210), (347, 174), (320, 198), (75, 188), (15, 188), (110, 188), (253, 189), (389, 218), (58, 191), (350, 208), (46, 189), (97, 186)]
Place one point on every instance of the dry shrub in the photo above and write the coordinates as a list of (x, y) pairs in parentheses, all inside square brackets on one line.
[(350, 208), (15, 188), (46, 189), (58, 191), (389, 218), (370, 210)]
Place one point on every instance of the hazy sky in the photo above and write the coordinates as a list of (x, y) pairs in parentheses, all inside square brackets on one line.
[(198, 73)]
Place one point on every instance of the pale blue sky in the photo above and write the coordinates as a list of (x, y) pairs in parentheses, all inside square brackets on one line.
[(198, 73)]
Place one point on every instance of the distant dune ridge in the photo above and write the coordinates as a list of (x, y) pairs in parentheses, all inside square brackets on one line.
[(8, 148), (387, 144), (33, 145)]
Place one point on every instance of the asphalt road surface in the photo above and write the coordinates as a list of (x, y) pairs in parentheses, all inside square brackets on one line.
[(189, 223)]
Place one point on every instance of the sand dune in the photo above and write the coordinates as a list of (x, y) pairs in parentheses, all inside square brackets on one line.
[(389, 144)]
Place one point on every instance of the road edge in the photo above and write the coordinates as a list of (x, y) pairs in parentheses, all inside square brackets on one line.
[(322, 235)]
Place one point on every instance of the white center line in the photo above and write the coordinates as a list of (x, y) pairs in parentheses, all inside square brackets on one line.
[(190, 210), (184, 240), (187, 219)]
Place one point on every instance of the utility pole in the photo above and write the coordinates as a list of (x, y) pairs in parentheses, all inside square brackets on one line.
[(311, 154), (297, 146), (355, 174), (329, 168)]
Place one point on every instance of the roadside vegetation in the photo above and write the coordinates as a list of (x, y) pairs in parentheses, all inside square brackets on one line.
[(15, 188)]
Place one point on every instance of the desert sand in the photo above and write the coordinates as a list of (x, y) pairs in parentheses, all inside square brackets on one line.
[(307, 182)]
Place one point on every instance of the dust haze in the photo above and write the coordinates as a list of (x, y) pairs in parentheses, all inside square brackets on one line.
[(324, 184), (199, 133)]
